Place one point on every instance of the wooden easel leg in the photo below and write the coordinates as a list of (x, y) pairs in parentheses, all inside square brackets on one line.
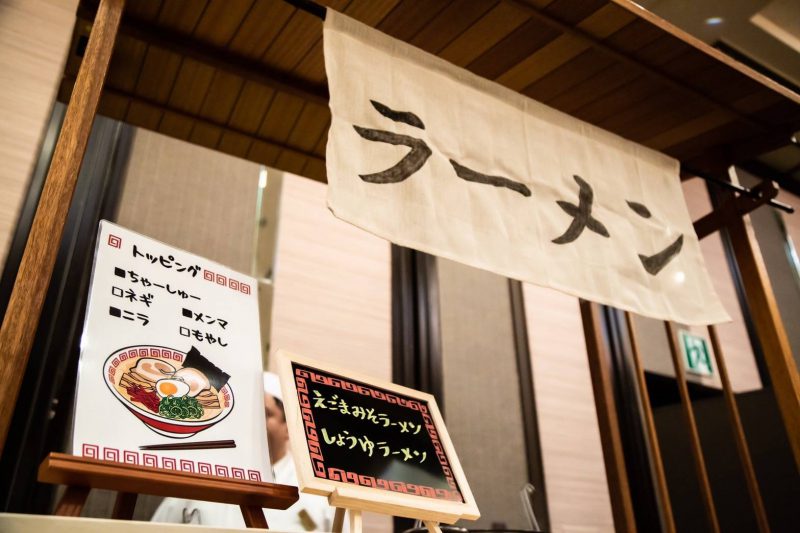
[(254, 516), (433, 527), (72, 501), (338, 520), (124, 505), (355, 521)]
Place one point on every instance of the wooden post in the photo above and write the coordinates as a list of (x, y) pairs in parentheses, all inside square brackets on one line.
[(25, 305), (738, 432), (650, 428), (769, 327), (607, 418), (694, 435)]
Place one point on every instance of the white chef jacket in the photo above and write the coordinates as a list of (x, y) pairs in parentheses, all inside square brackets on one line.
[(309, 513)]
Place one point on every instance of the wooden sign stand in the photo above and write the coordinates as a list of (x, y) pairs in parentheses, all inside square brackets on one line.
[(353, 488), (81, 474), (356, 525)]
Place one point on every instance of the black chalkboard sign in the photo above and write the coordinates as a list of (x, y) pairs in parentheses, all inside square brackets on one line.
[(361, 434)]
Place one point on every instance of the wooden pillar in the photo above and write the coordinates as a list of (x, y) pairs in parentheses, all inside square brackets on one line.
[(608, 420), (25, 305), (768, 325)]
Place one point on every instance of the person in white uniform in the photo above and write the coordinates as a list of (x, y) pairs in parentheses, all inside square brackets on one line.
[(309, 513)]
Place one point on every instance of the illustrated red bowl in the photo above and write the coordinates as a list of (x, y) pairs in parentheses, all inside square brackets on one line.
[(120, 361)]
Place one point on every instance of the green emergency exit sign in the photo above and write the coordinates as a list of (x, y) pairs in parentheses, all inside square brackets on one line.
[(695, 354)]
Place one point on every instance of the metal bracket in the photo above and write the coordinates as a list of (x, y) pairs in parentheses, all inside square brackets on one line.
[(737, 205)]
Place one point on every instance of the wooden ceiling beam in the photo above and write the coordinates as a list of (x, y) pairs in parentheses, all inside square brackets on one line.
[(218, 58), (135, 98), (632, 62)]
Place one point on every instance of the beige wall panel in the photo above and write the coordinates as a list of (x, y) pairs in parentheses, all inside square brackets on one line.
[(332, 291), (733, 335), (191, 197), (481, 390), (577, 490), (34, 38)]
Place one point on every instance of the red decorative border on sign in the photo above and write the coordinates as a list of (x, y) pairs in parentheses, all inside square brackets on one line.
[(344, 476), (93, 451), (219, 279)]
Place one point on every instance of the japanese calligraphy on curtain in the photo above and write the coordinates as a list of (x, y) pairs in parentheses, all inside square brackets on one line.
[(430, 156)]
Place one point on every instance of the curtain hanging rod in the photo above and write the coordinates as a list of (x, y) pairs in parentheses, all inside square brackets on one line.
[(309, 6), (736, 188)]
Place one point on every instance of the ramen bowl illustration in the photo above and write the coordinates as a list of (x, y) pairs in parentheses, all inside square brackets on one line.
[(176, 394)]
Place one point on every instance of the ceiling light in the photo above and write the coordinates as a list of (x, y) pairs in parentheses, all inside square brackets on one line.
[(714, 21)]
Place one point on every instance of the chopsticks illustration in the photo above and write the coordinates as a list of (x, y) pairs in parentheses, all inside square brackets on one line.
[(199, 445)]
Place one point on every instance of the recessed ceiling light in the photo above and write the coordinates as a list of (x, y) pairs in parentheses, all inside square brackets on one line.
[(714, 21)]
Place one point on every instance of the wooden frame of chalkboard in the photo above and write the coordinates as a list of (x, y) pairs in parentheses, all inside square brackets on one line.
[(371, 445)]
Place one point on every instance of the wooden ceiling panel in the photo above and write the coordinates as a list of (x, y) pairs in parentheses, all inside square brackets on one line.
[(144, 115), (281, 116), (490, 29), (191, 85), (126, 61), (312, 67), (260, 28), (144, 9), (181, 16), (451, 22), (264, 153), (298, 36), (598, 86), (247, 76), (176, 125), (221, 96), (309, 127), (235, 144), (569, 75), (574, 11), (515, 47), (158, 73), (404, 22), (249, 110), (205, 135), (221, 20)]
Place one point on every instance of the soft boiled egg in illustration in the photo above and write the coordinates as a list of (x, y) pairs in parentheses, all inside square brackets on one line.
[(171, 387)]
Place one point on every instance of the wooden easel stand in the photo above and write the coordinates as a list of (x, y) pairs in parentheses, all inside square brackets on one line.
[(81, 474), (356, 523)]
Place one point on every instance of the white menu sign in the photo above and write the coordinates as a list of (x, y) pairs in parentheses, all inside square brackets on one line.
[(170, 365)]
